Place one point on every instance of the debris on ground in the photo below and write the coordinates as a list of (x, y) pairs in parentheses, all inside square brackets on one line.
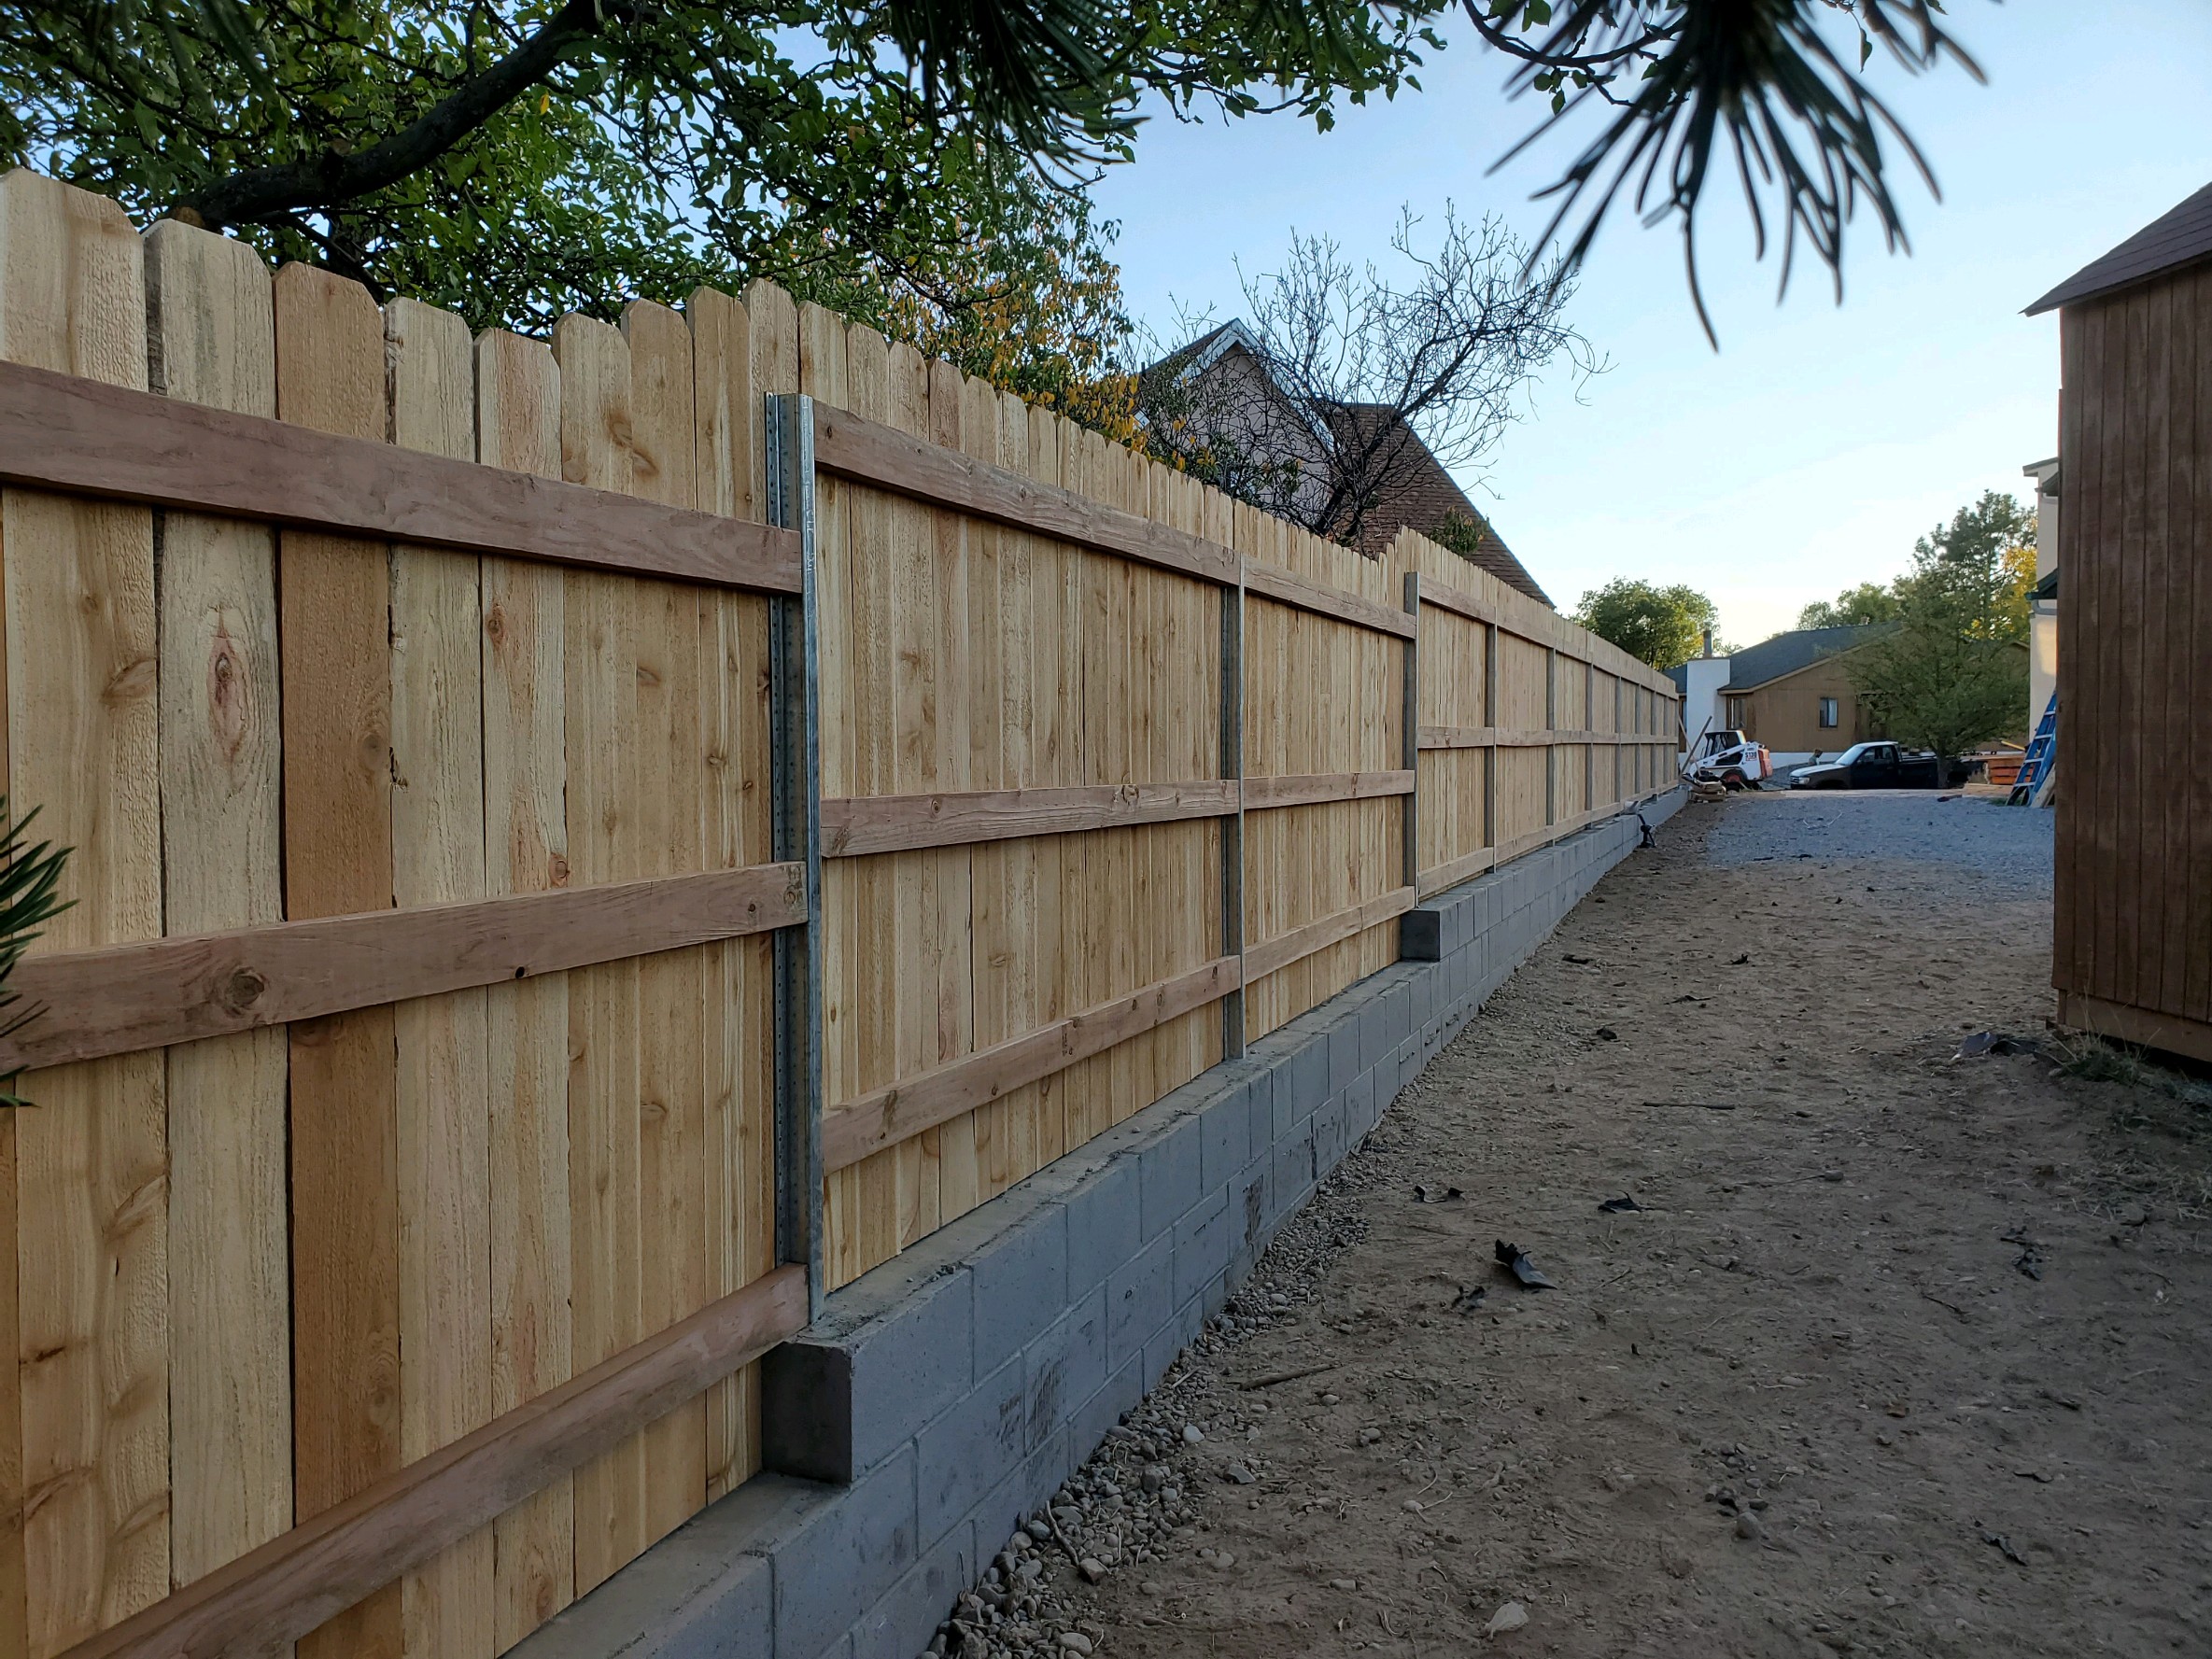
[(1619, 1207), (1426, 1194), (2003, 1547), (1996, 1042), (1512, 1616), (1519, 1262), (2030, 1259)]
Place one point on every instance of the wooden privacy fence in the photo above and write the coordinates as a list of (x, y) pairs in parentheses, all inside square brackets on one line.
[(580, 848)]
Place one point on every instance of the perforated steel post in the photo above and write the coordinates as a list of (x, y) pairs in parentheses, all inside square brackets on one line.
[(1233, 825), (795, 783), (1409, 750)]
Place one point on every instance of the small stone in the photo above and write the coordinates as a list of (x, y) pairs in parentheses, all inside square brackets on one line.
[(1223, 1559), (1885, 1440), (1092, 1569), (1040, 1529), (1020, 1543), (1345, 1584), (1170, 1495), (1149, 1587), (1192, 1434), (1512, 1616), (1330, 1399), (1074, 1641), (1240, 1474), (1748, 1528), (1368, 1437), (1412, 1506)]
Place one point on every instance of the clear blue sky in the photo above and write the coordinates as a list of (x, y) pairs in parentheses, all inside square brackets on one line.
[(1807, 454)]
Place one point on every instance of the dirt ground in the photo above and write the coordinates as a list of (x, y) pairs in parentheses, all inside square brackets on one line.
[(1902, 1354)]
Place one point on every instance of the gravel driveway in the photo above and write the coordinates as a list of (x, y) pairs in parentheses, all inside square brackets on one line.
[(1898, 1353)]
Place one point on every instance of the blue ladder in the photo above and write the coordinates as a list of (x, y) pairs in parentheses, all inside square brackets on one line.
[(2038, 759)]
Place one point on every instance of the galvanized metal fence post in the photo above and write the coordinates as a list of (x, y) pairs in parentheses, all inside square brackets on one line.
[(1233, 825), (796, 801), (1490, 719), (1409, 750)]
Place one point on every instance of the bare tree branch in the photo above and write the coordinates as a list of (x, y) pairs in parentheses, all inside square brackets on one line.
[(1344, 384)]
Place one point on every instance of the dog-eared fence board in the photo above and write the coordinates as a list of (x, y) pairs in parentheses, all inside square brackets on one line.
[(495, 1184)]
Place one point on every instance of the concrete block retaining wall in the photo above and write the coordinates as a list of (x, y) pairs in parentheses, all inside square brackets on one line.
[(948, 1393)]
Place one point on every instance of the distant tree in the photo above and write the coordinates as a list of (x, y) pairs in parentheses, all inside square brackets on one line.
[(1362, 373), (1460, 532), (1665, 627), (1867, 602), (1952, 674)]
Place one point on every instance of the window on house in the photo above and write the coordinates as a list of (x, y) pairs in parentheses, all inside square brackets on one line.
[(1827, 711)]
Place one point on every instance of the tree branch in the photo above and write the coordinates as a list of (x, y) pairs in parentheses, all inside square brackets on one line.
[(263, 194)]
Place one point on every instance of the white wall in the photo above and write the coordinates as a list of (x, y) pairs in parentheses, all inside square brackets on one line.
[(1701, 702), (2043, 614)]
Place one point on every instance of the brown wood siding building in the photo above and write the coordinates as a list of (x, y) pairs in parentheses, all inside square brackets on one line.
[(1785, 713), (2132, 946)]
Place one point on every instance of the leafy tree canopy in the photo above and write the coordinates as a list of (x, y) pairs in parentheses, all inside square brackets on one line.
[(1870, 601), (1954, 674), (1665, 627), (518, 157)]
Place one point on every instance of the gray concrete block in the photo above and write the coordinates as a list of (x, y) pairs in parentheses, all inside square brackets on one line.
[(1330, 1134), (1251, 1201), (1094, 1418), (901, 1622), (1344, 1050), (1225, 1138), (1021, 1493), (1421, 934), (971, 1448), (1105, 1225), (1298, 1085), (1021, 1287), (831, 1568), (1203, 1243), (1064, 1367), (1140, 1296), (1179, 1333), (1292, 1179), (1260, 1115), (1170, 1176), (832, 1410)]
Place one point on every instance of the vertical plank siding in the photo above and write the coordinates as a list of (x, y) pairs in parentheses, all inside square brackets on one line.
[(248, 1276), (2133, 852)]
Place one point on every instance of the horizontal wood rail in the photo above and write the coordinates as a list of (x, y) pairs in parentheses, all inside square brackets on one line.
[(889, 1115), (1311, 787), (58, 432), (1286, 589), (272, 1595), (1453, 871), (854, 825), (1496, 736), (1299, 943), (870, 452), (151, 993)]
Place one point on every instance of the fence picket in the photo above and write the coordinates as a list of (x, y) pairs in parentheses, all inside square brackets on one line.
[(212, 336)]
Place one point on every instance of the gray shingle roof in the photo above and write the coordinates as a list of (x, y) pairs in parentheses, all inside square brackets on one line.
[(1786, 654), (2181, 237)]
